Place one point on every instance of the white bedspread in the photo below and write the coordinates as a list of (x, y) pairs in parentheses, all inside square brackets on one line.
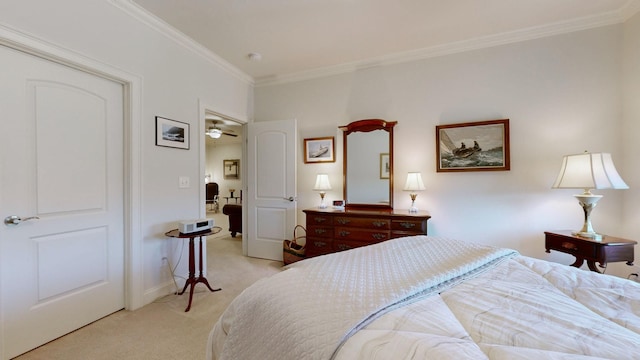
[(459, 301), (310, 309), (522, 309)]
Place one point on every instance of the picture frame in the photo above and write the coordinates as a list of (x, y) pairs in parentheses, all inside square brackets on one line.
[(172, 133), (231, 169), (384, 166), (319, 150), (473, 146)]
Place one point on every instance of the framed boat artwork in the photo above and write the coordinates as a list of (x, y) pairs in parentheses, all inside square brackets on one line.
[(318, 150), (473, 146)]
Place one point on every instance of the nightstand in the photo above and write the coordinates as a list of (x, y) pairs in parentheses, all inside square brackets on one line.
[(609, 249)]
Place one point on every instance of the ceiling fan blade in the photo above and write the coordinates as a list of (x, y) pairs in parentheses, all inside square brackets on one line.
[(230, 134)]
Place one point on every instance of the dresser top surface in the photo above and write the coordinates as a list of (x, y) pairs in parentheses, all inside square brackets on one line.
[(373, 213)]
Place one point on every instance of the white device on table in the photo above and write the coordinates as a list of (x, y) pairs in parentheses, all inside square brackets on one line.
[(191, 226)]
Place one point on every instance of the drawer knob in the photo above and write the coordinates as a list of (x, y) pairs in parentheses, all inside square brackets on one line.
[(319, 244), (343, 247), (320, 220), (320, 231), (378, 224), (343, 221), (569, 246), (344, 233), (378, 236)]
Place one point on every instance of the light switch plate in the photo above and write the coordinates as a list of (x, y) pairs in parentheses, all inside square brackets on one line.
[(183, 182)]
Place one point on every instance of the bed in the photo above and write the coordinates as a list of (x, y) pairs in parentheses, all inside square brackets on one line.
[(425, 297)]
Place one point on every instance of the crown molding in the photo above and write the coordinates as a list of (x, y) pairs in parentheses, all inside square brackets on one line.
[(609, 18), (157, 24), (631, 8)]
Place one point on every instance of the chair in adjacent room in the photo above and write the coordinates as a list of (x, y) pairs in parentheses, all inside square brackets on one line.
[(234, 211), (212, 191)]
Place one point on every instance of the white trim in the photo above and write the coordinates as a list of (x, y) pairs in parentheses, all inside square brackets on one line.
[(157, 24), (132, 85), (609, 18), (631, 8)]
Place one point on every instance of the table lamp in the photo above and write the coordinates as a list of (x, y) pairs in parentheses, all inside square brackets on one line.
[(322, 184), (414, 183), (588, 171)]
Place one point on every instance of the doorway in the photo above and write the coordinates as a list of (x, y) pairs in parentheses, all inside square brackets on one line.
[(224, 178)]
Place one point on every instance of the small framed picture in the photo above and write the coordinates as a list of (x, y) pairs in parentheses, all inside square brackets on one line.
[(231, 169), (317, 150), (473, 146), (384, 166), (172, 133)]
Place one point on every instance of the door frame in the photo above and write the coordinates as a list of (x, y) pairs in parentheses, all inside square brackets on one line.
[(203, 109), (132, 88)]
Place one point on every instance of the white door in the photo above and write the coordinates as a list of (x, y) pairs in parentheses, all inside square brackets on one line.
[(61, 160), (271, 193)]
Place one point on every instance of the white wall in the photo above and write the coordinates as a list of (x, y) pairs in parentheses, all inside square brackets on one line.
[(562, 95), (631, 127), (174, 78), (215, 156)]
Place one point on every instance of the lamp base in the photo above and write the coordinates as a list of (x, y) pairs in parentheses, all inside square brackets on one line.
[(322, 204), (589, 235), (588, 202), (413, 208)]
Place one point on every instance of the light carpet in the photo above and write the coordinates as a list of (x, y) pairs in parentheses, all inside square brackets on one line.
[(162, 330)]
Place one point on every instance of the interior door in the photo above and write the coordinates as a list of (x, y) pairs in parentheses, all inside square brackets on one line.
[(61, 195), (271, 200)]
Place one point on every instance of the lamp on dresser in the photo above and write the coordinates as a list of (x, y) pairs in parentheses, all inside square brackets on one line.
[(414, 183), (322, 185), (588, 171)]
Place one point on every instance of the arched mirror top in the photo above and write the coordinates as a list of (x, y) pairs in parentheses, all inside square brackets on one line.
[(368, 164)]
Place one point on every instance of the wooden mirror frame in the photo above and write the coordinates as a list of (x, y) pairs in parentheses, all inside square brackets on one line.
[(367, 125)]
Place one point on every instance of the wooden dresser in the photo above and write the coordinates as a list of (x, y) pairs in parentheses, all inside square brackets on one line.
[(330, 230)]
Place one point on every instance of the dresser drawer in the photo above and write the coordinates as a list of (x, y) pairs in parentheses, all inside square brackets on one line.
[(571, 246), (341, 245), (321, 220), (371, 236), (367, 223), (320, 231), (409, 226), (318, 246)]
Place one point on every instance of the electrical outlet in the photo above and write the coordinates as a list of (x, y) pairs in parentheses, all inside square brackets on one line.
[(183, 182)]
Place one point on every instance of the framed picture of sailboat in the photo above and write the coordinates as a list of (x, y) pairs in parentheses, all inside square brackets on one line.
[(473, 146), (317, 150)]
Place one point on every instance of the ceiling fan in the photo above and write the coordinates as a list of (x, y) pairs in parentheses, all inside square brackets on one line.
[(215, 132)]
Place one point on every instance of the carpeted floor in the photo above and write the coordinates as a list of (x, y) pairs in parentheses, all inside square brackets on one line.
[(162, 330)]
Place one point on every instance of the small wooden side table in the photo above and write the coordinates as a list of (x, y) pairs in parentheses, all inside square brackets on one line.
[(609, 249), (193, 280)]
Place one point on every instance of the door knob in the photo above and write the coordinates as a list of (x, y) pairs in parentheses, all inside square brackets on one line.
[(15, 220), (290, 198)]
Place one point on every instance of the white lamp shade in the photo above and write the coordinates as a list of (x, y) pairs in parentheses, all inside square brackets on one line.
[(414, 182), (589, 171), (322, 183)]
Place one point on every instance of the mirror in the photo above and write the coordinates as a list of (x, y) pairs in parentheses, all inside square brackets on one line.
[(368, 164)]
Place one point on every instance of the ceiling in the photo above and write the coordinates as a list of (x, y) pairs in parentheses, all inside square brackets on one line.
[(305, 37), (231, 130)]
